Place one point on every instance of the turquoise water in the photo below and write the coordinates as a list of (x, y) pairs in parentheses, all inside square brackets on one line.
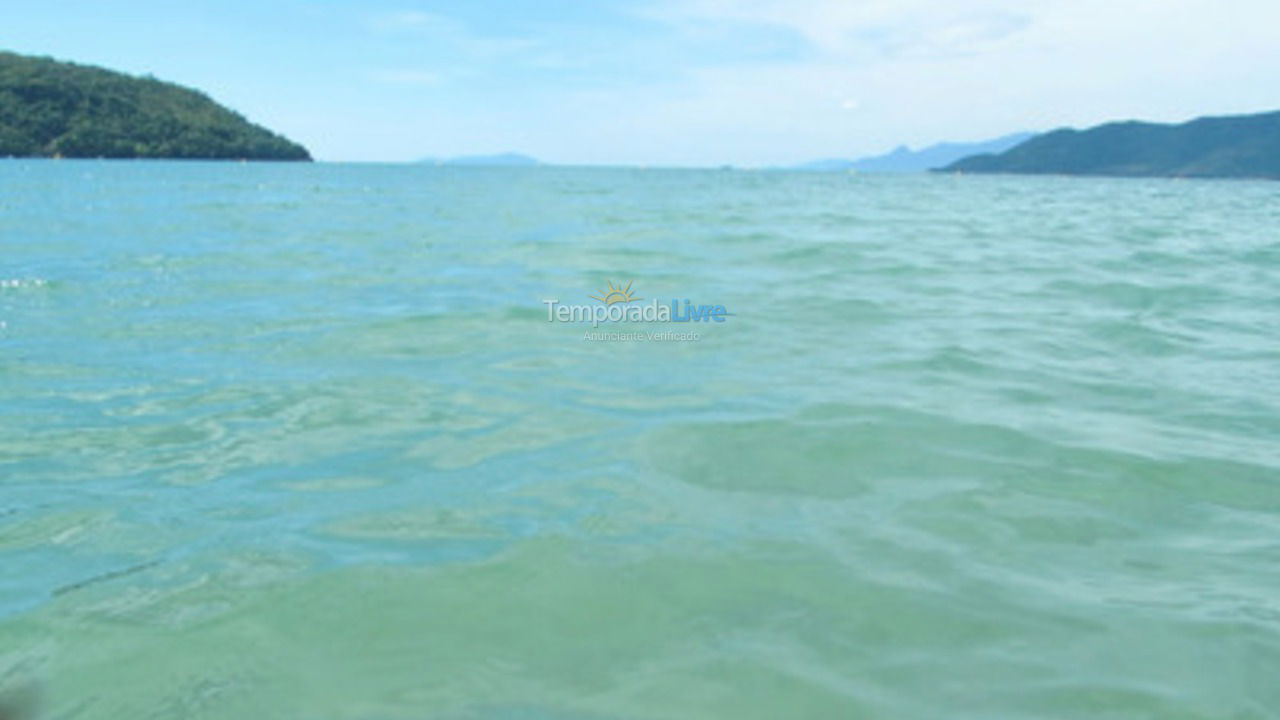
[(300, 442)]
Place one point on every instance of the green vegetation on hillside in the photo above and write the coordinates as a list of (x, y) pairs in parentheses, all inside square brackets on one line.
[(1243, 146), (58, 109)]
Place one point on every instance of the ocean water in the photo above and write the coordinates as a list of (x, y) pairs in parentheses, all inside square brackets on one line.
[(299, 441)]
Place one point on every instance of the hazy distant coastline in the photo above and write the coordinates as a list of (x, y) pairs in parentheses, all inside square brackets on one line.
[(904, 159), (507, 159)]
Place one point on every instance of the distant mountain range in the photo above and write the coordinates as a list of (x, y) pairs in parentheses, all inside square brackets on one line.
[(1243, 146), (508, 159), (50, 108), (904, 159)]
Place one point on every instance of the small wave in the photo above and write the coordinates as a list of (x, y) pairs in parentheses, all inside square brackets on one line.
[(19, 283)]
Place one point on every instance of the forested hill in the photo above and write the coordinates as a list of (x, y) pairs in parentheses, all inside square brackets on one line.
[(1240, 146), (50, 108)]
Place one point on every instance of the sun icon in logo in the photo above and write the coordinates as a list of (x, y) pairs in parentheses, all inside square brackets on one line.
[(615, 295)]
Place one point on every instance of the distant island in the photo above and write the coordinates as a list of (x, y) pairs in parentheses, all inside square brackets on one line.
[(904, 159), (1240, 146), (50, 108), (508, 159)]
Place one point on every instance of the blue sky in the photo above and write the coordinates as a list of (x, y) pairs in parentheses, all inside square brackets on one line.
[(675, 82)]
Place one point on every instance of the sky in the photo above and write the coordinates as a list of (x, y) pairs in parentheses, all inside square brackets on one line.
[(674, 82)]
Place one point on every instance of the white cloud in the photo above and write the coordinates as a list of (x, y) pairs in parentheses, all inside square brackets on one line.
[(866, 75), (402, 20), (850, 29), (461, 41), (924, 72)]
